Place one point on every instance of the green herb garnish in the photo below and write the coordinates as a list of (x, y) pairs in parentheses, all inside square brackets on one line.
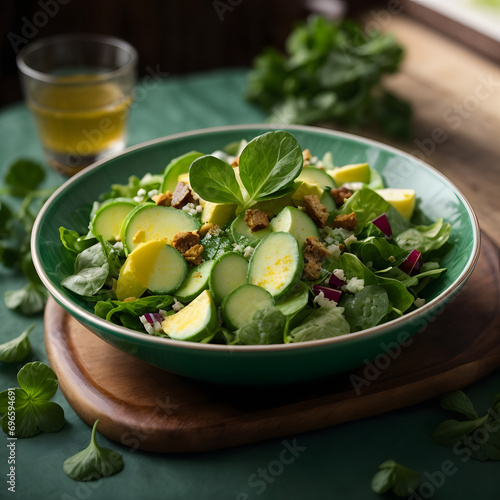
[(17, 349), (268, 165), (393, 476), (479, 437), (332, 71), (93, 462), (22, 180), (34, 412)]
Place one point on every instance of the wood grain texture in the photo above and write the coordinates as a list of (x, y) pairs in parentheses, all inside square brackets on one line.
[(144, 407)]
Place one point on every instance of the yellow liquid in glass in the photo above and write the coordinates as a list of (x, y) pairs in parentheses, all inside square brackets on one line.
[(83, 118)]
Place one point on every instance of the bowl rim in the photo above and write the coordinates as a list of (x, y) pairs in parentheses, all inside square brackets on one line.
[(120, 331)]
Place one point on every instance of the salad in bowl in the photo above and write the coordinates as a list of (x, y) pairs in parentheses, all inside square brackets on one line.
[(259, 243)]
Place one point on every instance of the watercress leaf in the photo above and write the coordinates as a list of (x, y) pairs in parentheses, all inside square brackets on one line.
[(88, 281), (38, 380), (94, 462), (266, 327), (378, 251), (451, 431), (459, 402), (321, 323), (365, 308), (27, 300), (49, 416), (366, 204), (137, 307), (17, 349), (214, 180), (269, 163), (24, 176), (25, 419), (396, 477), (425, 238), (103, 307), (91, 257), (74, 242)]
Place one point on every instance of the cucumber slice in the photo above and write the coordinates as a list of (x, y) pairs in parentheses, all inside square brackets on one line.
[(153, 222), (229, 272), (297, 223), (276, 264), (195, 282), (242, 234), (241, 304), (296, 301), (195, 322), (108, 220), (169, 271), (176, 167), (316, 176)]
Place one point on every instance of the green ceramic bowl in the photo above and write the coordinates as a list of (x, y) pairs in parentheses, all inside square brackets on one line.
[(69, 206)]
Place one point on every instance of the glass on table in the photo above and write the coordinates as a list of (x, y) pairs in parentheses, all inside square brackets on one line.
[(79, 88)]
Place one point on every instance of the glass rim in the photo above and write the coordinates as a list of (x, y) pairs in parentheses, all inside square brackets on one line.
[(27, 70)]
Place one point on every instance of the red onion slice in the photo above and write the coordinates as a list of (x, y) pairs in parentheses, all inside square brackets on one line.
[(336, 282), (412, 263), (382, 222), (329, 293)]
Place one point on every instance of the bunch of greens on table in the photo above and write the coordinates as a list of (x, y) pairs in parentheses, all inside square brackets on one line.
[(22, 181), (373, 279), (333, 71)]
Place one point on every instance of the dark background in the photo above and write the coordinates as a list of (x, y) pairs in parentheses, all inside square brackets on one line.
[(178, 35)]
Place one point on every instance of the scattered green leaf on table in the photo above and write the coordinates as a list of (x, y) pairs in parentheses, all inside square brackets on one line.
[(34, 412), (17, 349), (394, 477), (93, 462)]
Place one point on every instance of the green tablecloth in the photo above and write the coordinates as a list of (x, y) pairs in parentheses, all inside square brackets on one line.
[(335, 463)]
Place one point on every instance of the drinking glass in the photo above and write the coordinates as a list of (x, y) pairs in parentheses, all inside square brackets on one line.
[(79, 88)]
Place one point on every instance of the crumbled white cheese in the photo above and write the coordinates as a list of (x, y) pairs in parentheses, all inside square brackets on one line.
[(419, 302), (190, 208), (326, 230), (334, 251), (354, 285), (153, 192), (322, 301), (141, 192), (118, 245), (237, 248), (162, 313), (177, 306), (339, 273), (314, 159), (248, 252), (350, 239), (138, 199), (340, 231), (216, 232), (199, 208), (329, 240), (208, 236)]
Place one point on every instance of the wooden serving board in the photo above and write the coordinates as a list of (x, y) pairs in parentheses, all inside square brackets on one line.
[(144, 407)]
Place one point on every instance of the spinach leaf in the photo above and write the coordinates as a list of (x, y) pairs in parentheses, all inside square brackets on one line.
[(269, 163), (214, 180), (94, 462), (479, 435), (266, 327), (425, 238), (366, 204), (215, 246), (365, 308), (74, 242), (393, 476), (378, 251), (34, 412), (135, 308), (17, 349), (91, 271), (321, 323)]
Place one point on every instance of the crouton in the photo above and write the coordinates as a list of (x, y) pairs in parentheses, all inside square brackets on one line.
[(347, 222), (316, 210), (183, 240), (256, 220), (340, 195), (193, 255), (182, 195)]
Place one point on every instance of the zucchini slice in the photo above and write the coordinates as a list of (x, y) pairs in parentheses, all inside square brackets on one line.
[(195, 282), (297, 223), (228, 273)]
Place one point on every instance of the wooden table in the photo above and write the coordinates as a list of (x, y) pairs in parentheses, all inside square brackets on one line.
[(445, 82)]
